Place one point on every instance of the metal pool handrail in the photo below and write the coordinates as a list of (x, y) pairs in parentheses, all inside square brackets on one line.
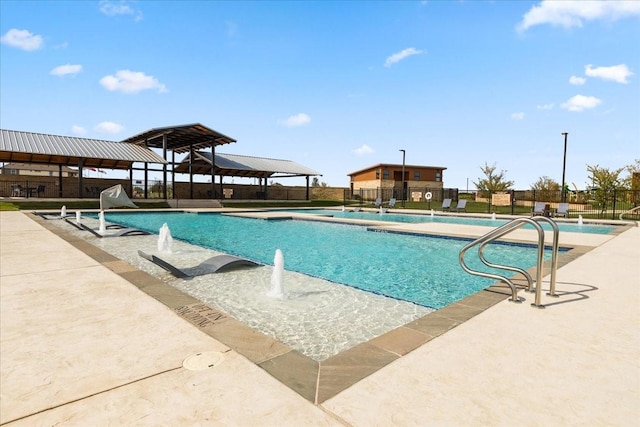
[(632, 210), (506, 229)]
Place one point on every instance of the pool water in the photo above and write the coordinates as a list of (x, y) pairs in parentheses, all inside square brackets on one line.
[(420, 269), (449, 219)]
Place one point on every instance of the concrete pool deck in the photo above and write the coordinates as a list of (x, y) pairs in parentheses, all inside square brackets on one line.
[(81, 345)]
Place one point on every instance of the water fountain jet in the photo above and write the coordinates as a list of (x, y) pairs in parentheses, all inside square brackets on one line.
[(493, 216), (103, 223), (432, 213), (63, 212), (165, 241), (78, 216), (579, 219), (277, 277)]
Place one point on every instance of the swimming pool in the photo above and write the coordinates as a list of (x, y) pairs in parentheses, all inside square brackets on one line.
[(421, 269), (448, 219)]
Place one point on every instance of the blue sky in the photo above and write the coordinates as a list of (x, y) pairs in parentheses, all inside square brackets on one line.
[(339, 86)]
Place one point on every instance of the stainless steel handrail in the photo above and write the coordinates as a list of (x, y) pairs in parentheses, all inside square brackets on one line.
[(506, 229), (632, 210)]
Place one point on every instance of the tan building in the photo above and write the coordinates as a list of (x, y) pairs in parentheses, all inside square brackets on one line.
[(389, 176), (33, 169)]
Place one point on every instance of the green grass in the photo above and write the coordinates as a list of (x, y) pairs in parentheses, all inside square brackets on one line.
[(57, 205)]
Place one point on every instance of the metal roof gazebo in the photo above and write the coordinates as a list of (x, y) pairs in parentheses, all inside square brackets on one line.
[(199, 162), (179, 139)]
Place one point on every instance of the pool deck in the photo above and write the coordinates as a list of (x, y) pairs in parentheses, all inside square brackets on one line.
[(81, 345)]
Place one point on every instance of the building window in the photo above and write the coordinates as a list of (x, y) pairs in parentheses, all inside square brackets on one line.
[(377, 174), (438, 176), (416, 176), (385, 174)]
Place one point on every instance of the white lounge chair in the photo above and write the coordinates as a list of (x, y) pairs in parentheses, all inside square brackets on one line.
[(538, 208), (462, 205), (563, 210), (446, 205), (378, 202), (392, 203)]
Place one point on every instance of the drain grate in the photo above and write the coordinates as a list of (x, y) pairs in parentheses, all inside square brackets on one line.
[(203, 360)]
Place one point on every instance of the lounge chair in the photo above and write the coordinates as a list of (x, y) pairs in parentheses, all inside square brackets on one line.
[(392, 203), (563, 210), (121, 231), (378, 202), (538, 209), (16, 190), (216, 264), (446, 205), (462, 205)]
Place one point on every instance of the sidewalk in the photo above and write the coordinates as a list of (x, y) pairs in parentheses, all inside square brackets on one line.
[(80, 345)]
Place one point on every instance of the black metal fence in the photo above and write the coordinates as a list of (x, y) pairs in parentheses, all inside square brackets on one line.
[(597, 203)]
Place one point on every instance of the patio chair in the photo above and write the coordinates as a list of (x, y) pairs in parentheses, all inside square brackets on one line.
[(462, 205), (446, 205), (563, 210), (40, 190), (215, 264), (538, 209), (392, 203), (16, 190), (378, 202)]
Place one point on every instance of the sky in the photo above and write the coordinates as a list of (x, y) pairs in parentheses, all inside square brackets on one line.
[(339, 86)]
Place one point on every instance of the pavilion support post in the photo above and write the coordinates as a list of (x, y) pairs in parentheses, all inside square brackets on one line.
[(221, 189), (131, 179), (266, 189), (80, 173), (146, 180), (191, 171), (213, 171), (173, 174), (164, 166), (60, 181), (307, 187)]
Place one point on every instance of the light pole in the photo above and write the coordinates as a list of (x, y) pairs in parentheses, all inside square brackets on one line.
[(564, 165), (403, 190)]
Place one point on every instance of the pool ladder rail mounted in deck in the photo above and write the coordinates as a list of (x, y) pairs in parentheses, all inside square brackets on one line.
[(506, 229)]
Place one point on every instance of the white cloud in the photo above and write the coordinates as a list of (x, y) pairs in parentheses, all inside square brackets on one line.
[(364, 149), (109, 127), (78, 130), (517, 116), (63, 70), (545, 106), (617, 73), (578, 81), (127, 81), (573, 13), (22, 39), (399, 56), (581, 102), (299, 119), (121, 7)]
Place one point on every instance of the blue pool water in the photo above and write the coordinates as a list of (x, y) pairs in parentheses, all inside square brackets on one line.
[(448, 219), (420, 269)]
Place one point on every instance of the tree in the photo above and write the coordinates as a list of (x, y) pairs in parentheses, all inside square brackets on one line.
[(493, 181), (545, 188), (633, 169), (315, 182), (604, 182)]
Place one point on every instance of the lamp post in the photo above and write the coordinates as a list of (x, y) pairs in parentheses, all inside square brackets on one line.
[(564, 165), (403, 190)]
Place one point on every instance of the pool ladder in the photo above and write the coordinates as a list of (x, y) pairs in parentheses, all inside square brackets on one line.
[(506, 229)]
